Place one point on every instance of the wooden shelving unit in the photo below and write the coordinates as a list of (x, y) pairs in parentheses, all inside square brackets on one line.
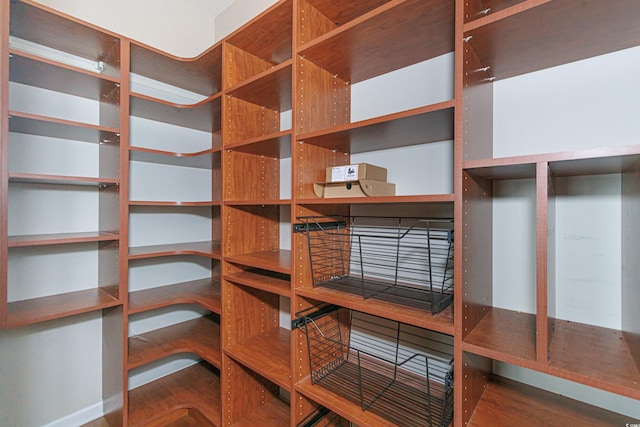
[(186, 180), (175, 159), (535, 337)]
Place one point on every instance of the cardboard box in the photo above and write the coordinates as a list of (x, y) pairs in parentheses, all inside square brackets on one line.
[(360, 188), (356, 172)]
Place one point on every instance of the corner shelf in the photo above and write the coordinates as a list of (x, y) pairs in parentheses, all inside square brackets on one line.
[(204, 292), (194, 387), (34, 124), (200, 336), (205, 249), (278, 260)]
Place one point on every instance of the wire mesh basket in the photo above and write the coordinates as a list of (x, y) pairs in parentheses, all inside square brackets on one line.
[(408, 261), (400, 372)]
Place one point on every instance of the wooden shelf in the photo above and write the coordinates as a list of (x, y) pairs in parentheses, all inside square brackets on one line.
[(441, 322), (254, 202), (39, 26), (33, 124), (207, 159), (596, 356), (199, 336), (205, 249), (367, 46), (268, 354), (595, 161), (270, 89), (173, 204), (204, 115), (505, 335), (433, 123), (263, 282), (36, 310), (524, 38), (196, 387), (275, 260), (61, 238), (506, 402), (396, 200), (274, 413), (269, 36), (276, 145), (345, 408), (201, 74), (204, 292), (28, 178), (33, 71), (480, 8)]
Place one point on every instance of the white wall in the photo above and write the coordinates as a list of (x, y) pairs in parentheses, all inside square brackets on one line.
[(183, 28), (238, 13)]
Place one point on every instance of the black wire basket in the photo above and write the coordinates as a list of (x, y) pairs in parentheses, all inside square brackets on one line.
[(400, 372), (408, 261)]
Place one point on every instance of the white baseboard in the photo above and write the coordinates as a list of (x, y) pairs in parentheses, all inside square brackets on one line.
[(79, 418)]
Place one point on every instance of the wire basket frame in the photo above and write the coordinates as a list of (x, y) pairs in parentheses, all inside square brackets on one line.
[(408, 261), (398, 371)]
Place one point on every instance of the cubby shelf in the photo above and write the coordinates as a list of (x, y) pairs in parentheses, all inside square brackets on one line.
[(270, 89), (378, 200), (260, 281), (36, 310), (506, 401), (204, 292), (196, 387), (275, 145), (206, 249), (273, 260), (596, 356), (273, 413), (268, 354), (176, 203), (200, 336), (441, 322), (515, 344)]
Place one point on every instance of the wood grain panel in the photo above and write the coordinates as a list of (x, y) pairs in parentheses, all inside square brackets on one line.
[(312, 23), (240, 65), (323, 99), (251, 177), (477, 226), (257, 392), (477, 93), (244, 121), (268, 354), (630, 266)]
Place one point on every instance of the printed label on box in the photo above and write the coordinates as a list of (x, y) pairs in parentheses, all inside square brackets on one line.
[(344, 173)]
